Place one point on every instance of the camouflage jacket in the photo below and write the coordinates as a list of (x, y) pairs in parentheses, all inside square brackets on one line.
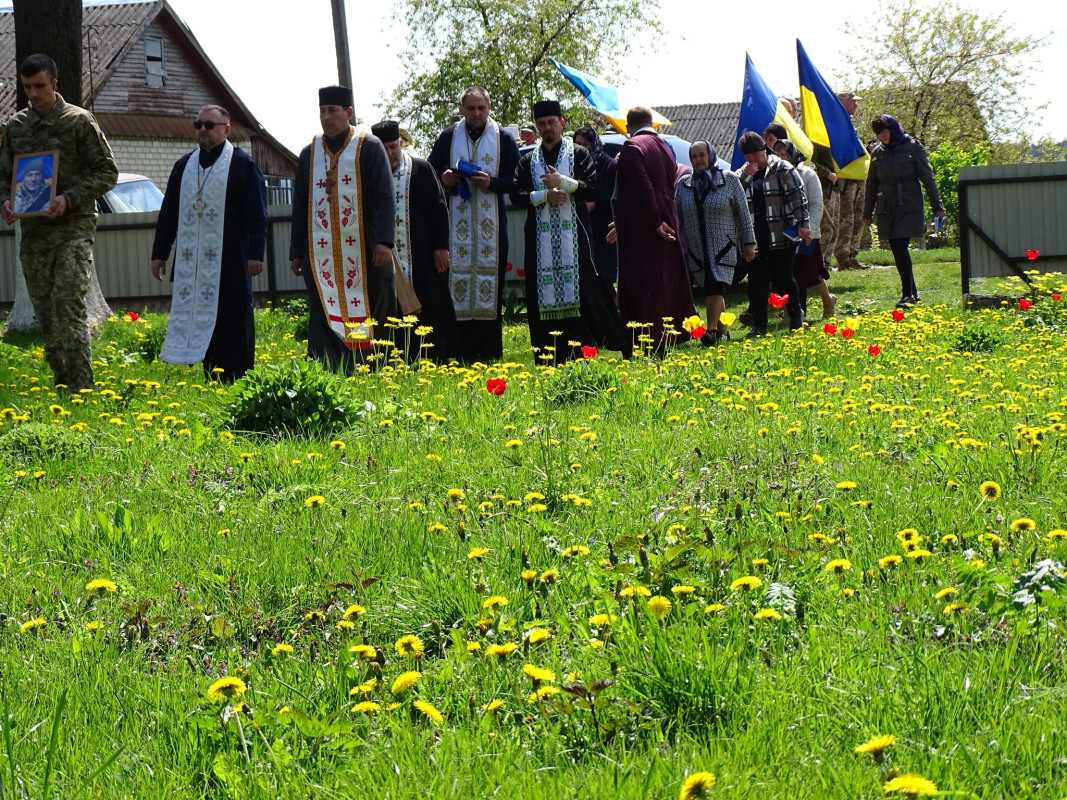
[(86, 164)]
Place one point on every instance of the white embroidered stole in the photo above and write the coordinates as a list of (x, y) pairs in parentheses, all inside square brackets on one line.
[(556, 240), (194, 304), (335, 239), (474, 241), (402, 187)]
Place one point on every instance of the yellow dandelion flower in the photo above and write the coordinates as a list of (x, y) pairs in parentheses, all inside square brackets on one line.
[(889, 562), (537, 508), (337, 445), (512, 443), (409, 646), (536, 635), (919, 554), (474, 647), (660, 606), (529, 575), (314, 501), (990, 490), (226, 689), (1023, 524), (952, 609), (910, 784), (501, 651), (476, 553), (838, 565), (32, 624), (436, 527), (354, 610), (405, 681), (714, 608), (549, 576), (538, 674), (457, 494), (281, 649), (100, 586), (635, 591), (696, 786), (493, 705), (602, 620), (94, 626), (345, 625), (363, 688), (951, 590), (876, 744), (544, 693), (768, 613), (1057, 535), (746, 583), (496, 601), (428, 711), (364, 651), (682, 590), (846, 485), (366, 707)]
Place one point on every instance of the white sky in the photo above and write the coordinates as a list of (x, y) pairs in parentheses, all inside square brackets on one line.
[(275, 54)]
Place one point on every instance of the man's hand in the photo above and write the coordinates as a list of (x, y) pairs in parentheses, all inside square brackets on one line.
[(613, 234), (297, 265), (159, 269), (449, 179), (832, 177), (552, 179), (749, 252), (751, 169), (9, 215), (382, 255), (557, 197), (805, 234), (58, 208), (867, 221), (481, 180), (254, 268), (440, 261), (941, 214), (665, 232)]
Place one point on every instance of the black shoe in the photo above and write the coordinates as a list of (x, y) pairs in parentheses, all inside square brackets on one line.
[(905, 301), (798, 323), (746, 318), (709, 339), (756, 333)]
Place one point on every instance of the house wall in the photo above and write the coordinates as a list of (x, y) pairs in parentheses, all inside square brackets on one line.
[(154, 158)]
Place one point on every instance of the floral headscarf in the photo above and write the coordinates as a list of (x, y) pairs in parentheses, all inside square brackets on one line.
[(596, 147)]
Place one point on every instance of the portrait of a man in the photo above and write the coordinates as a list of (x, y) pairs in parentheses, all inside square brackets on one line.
[(34, 185)]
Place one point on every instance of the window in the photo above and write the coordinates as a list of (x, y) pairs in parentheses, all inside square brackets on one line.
[(153, 61)]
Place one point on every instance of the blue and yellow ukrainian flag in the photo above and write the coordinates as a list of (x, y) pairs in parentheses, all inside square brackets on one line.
[(604, 98), (759, 108), (827, 123)]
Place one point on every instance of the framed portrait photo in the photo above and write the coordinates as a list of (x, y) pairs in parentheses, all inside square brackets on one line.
[(33, 183)]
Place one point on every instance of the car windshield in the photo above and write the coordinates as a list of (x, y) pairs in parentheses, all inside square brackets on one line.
[(134, 196)]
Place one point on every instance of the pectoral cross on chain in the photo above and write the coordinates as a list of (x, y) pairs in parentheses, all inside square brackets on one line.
[(199, 206)]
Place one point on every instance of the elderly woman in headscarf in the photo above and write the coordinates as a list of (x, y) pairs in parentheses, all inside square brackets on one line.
[(899, 170), (600, 216), (715, 224)]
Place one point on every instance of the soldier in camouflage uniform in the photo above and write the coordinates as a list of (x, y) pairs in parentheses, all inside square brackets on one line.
[(850, 209), (57, 248)]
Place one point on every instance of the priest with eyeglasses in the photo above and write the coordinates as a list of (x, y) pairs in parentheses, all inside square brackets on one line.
[(215, 208)]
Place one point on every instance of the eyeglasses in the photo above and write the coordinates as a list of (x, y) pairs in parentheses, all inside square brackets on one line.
[(206, 125)]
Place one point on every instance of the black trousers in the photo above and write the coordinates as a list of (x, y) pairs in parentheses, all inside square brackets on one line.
[(772, 270)]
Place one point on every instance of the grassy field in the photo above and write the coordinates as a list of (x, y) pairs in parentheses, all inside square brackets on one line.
[(826, 564)]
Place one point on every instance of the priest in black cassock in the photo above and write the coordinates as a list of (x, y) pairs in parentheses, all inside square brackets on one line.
[(342, 237), (421, 246), (215, 207), (565, 294), (475, 159)]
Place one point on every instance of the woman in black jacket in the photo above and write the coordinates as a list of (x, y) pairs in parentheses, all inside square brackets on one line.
[(899, 168)]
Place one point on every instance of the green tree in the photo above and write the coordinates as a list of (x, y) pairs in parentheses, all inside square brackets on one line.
[(505, 46), (948, 74), (945, 161)]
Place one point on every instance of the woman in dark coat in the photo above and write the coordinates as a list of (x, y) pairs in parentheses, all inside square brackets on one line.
[(899, 170)]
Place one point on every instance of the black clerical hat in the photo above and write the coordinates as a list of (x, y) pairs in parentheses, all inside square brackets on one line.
[(387, 130), (335, 96), (547, 108)]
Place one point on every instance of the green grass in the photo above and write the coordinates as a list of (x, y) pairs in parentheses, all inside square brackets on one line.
[(774, 459)]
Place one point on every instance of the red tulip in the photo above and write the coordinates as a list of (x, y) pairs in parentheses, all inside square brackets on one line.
[(588, 352), (847, 333), (1056, 297), (1033, 254), (509, 267), (829, 328), (132, 316), (898, 315), (874, 349), (521, 273), (1025, 304), (779, 300), (698, 331), (496, 385)]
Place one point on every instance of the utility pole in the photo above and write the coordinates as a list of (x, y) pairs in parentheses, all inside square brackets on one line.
[(340, 37)]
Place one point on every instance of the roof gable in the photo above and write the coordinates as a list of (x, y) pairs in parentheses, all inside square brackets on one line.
[(713, 122)]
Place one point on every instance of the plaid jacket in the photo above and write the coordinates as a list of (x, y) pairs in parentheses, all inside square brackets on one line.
[(784, 198)]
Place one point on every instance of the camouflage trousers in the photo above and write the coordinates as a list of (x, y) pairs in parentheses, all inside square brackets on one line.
[(849, 218), (57, 267)]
